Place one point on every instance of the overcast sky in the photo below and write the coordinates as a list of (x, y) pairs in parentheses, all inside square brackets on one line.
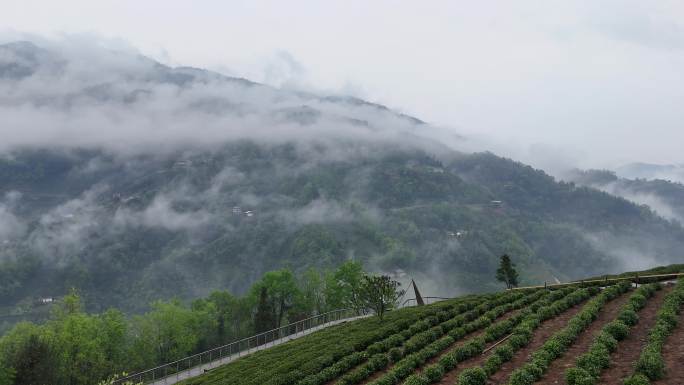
[(599, 83)]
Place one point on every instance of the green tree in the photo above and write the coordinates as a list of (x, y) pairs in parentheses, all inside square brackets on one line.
[(380, 293), (264, 317), (224, 317), (169, 332), (6, 376), (506, 272), (89, 347), (31, 355), (313, 291), (112, 379), (282, 292), (342, 286)]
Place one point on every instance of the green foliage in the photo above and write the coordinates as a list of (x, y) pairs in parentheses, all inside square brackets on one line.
[(6, 376), (280, 291), (578, 376), (76, 348), (637, 379), (416, 379), (379, 293), (522, 376), (506, 272), (590, 365), (650, 363), (472, 376), (562, 339), (341, 289), (396, 354), (434, 373), (112, 379), (617, 329), (264, 318), (629, 317)]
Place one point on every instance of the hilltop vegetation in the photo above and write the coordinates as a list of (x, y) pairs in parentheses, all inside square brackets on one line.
[(460, 342), (74, 347), (665, 196), (123, 244)]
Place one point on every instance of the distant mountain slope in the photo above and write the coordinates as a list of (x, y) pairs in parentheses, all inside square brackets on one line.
[(132, 181), (652, 171), (666, 197)]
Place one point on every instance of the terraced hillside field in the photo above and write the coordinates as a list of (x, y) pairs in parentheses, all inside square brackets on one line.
[(618, 334)]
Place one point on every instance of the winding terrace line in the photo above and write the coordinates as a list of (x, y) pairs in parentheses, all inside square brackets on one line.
[(541, 334), (547, 328), (556, 372), (623, 359), (337, 378), (463, 340), (673, 354)]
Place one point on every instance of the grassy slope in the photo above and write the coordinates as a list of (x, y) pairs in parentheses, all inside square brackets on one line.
[(335, 342)]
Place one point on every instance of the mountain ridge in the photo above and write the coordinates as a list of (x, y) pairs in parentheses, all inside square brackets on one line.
[(139, 190)]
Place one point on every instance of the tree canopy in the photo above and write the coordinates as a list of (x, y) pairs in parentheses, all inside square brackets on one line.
[(506, 272)]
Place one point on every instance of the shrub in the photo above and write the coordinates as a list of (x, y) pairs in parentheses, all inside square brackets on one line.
[(597, 359), (637, 300), (416, 379), (637, 379), (651, 364), (617, 329), (492, 364), (629, 317), (517, 341), (578, 376), (448, 361), (521, 377), (554, 346), (395, 354), (434, 373), (472, 376), (505, 352), (668, 317), (376, 348), (377, 362), (607, 340), (535, 371)]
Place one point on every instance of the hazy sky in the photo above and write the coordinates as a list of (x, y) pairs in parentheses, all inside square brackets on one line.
[(595, 82)]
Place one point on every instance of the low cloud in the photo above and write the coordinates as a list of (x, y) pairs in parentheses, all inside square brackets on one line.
[(126, 103), (161, 214), (11, 226)]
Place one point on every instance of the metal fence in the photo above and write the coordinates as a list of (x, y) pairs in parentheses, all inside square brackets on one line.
[(636, 278), (426, 300), (240, 347)]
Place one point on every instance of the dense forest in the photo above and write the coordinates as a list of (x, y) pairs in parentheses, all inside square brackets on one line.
[(128, 234)]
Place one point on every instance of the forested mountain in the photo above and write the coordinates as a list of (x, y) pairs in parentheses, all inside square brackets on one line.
[(132, 181), (665, 196)]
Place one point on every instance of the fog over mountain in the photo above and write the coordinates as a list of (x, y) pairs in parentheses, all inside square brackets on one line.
[(657, 187), (133, 181)]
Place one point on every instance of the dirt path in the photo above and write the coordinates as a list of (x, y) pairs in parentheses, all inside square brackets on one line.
[(556, 372), (623, 359), (545, 330), (673, 353)]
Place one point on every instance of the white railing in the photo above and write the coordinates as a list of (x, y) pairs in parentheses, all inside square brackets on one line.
[(243, 346)]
